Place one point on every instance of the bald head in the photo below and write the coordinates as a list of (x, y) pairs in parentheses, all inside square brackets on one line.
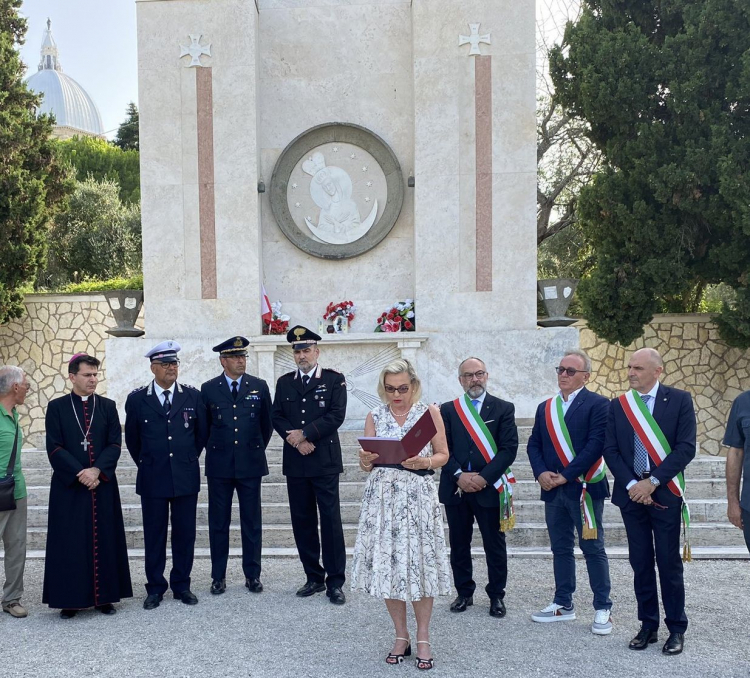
[(644, 369)]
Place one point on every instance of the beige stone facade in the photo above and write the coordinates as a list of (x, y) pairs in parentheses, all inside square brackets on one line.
[(695, 359), (54, 328)]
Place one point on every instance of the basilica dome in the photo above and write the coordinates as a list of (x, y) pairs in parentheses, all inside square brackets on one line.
[(74, 110)]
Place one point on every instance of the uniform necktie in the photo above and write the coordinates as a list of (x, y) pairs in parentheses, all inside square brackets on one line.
[(235, 390), (167, 404), (306, 379), (640, 457)]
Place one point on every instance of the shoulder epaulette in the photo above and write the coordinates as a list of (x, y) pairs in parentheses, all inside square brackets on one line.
[(188, 386), (329, 369), (135, 390)]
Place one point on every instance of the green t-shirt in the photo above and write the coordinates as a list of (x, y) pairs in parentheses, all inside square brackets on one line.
[(8, 423)]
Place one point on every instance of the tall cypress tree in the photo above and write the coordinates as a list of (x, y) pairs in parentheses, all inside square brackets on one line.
[(33, 184), (127, 133), (665, 88)]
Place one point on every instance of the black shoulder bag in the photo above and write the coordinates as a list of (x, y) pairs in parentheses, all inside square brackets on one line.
[(8, 484)]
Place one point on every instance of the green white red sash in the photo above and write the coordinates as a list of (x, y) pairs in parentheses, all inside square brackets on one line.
[(653, 439), (483, 439), (558, 432)]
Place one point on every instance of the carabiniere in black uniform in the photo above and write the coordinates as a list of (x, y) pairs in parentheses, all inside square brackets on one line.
[(239, 416), (317, 409), (165, 441)]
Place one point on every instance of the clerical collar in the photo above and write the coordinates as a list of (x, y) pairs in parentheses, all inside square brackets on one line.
[(80, 397)]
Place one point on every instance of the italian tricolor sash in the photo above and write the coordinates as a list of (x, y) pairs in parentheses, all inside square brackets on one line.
[(653, 439), (558, 432), (483, 439)]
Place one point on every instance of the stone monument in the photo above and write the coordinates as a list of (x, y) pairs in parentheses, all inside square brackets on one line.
[(375, 151)]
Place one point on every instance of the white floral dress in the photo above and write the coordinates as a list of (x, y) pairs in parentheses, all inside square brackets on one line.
[(400, 550)]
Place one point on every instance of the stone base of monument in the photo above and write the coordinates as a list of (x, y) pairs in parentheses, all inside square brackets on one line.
[(520, 363)]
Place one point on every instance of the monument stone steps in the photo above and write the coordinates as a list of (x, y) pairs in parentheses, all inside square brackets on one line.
[(277, 513), (524, 489), (523, 535)]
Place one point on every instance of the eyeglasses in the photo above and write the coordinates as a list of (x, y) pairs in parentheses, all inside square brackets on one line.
[(571, 372), (401, 389), (166, 366), (481, 374)]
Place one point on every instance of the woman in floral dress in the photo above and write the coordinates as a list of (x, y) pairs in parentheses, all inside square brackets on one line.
[(400, 553)]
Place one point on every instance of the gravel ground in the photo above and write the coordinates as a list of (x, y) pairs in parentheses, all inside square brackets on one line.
[(277, 634)]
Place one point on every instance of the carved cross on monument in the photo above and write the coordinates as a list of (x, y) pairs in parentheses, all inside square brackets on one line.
[(474, 40), (195, 50)]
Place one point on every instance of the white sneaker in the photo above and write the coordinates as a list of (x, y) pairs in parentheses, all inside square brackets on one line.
[(602, 625), (554, 613)]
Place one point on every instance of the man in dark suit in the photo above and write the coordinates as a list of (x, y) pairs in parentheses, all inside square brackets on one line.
[(651, 510), (308, 409), (467, 487), (561, 463), (239, 418), (165, 432)]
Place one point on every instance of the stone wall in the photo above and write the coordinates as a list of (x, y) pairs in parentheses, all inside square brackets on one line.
[(695, 359), (54, 328)]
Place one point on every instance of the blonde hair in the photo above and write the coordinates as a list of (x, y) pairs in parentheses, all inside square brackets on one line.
[(401, 366)]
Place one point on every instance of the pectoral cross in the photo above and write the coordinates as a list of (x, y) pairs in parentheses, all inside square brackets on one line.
[(474, 40), (85, 444)]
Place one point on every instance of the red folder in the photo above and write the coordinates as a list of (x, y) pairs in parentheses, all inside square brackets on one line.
[(393, 450)]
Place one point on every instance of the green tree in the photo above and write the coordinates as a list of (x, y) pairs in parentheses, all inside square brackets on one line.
[(127, 134), (33, 183), (96, 237), (104, 161), (665, 90)]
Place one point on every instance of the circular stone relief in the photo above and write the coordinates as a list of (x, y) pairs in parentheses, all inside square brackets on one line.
[(337, 190)]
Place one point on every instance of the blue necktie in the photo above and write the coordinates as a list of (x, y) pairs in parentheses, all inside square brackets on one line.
[(640, 457), (476, 407)]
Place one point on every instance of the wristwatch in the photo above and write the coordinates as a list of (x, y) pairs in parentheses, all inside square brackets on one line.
[(654, 481)]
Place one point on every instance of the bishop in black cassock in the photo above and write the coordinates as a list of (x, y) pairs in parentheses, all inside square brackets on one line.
[(86, 562)]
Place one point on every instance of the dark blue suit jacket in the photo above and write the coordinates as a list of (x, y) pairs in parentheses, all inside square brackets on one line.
[(240, 431), (673, 411), (586, 420), (166, 447), (499, 416)]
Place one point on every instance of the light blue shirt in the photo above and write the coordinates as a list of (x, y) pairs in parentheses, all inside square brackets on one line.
[(650, 404), (230, 380), (566, 403), (161, 391)]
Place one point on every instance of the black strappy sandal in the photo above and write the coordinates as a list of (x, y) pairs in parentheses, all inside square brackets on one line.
[(394, 659), (424, 664)]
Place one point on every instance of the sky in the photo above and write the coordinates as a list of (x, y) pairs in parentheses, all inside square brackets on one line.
[(97, 43), (96, 40)]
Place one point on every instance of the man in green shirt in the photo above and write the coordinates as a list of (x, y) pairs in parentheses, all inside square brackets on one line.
[(13, 389)]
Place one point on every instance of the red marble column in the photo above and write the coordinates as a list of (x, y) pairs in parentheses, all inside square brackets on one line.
[(206, 208)]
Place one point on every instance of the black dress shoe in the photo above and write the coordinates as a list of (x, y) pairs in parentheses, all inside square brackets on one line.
[(67, 614), (497, 607), (218, 586), (310, 588), (336, 595), (644, 638), (107, 609), (152, 601), (461, 603), (674, 643), (187, 597), (254, 585)]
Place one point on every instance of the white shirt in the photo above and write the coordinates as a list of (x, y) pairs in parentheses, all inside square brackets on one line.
[(161, 391), (310, 374), (566, 403)]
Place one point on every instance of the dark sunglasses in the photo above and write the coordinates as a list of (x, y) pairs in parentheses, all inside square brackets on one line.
[(570, 371)]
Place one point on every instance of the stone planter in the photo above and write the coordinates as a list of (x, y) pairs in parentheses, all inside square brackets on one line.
[(125, 306), (556, 294)]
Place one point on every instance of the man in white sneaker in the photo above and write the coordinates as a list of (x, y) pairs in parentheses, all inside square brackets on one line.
[(565, 451), (13, 389)]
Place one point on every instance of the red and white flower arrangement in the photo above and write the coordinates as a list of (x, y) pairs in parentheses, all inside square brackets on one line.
[(398, 318), (279, 322), (345, 309)]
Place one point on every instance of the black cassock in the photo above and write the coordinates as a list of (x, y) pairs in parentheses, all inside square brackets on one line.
[(87, 557)]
